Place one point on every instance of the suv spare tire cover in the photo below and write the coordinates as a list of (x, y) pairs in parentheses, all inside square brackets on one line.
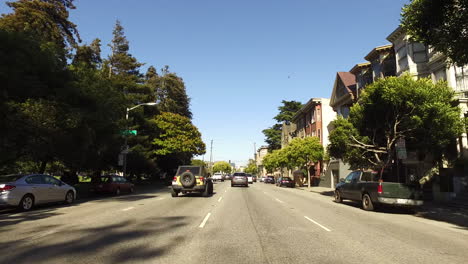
[(187, 179)]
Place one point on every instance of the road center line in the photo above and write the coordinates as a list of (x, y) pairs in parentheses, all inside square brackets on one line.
[(317, 223), (129, 208), (279, 200), (204, 220), (220, 198)]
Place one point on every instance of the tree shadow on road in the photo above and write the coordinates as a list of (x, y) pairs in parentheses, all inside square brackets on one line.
[(455, 216), (124, 242)]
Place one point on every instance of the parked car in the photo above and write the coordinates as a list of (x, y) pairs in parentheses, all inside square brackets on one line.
[(262, 179), (285, 181), (371, 191), (26, 191), (113, 184), (239, 178), (227, 176), (270, 179), (249, 178), (218, 177), (254, 178)]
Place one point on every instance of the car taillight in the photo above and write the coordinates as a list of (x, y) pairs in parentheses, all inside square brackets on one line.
[(380, 188), (174, 179), (7, 188), (201, 178)]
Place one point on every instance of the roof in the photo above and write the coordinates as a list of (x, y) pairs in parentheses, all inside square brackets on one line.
[(349, 81), (359, 66), (395, 34), (378, 50), (312, 102)]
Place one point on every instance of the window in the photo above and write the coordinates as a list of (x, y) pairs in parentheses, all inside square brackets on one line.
[(51, 180), (35, 179), (440, 74), (352, 176), (402, 58), (193, 170), (419, 53), (318, 114), (366, 176), (461, 75), (318, 134), (344, 111)]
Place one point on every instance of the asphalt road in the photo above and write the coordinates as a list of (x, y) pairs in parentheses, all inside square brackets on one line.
[(258, 224)]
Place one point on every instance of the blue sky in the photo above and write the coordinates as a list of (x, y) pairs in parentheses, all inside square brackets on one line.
[(240, 58)]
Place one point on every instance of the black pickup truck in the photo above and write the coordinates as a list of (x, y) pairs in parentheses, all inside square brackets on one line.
[(371, 191)]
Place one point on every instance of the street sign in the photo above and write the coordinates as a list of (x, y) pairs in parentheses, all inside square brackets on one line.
[(129, 132)]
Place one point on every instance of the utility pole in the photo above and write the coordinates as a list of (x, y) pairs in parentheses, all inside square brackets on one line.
[(211, 157)]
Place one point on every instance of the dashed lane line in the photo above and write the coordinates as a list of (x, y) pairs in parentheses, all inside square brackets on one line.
[(204, 220), (279, 200), (128, 208), (317, 223), (220, 198)]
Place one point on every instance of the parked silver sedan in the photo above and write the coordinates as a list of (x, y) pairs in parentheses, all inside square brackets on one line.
[(25, 191)]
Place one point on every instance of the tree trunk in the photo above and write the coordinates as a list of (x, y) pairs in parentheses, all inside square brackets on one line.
[(43, 167), (308, 177)]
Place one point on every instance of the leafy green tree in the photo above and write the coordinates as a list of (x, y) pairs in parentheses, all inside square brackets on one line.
[(286, 113), (275, 160), (177, 135), (197, 162), (251, 167), (303, 152), (287, 110), (44, 20), (273, 136), (441, 24), (90, 55), (222, 166), (419, 111), (171, 94)]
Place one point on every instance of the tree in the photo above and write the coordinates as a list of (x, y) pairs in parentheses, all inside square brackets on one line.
[(304, 152), (251, 167), (419, 111), (222, 166), (89, 55), (44, 20), (441, 24), (197, 162), (273, 137), (286, 113), (177, 135), (172, 95)]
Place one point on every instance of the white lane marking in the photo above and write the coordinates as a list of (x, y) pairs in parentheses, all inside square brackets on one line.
[(204, 220), (159, 199), (264, 192), (44, 234), (129, 208), (317, 223), (225, 190), (279, 200), (220, 198)]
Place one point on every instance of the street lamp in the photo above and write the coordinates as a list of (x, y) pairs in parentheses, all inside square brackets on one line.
[(126, 136)]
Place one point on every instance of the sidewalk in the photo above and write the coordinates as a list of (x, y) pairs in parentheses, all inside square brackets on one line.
[(444, 212), (317, 189)]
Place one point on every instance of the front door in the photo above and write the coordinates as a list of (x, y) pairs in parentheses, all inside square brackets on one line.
[(53, 189)]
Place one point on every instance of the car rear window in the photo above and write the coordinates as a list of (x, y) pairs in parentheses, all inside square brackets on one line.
[(239, 174), (10, 178), (193, 170), (286, 179)]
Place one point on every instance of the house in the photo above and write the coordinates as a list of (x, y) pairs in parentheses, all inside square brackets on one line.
[(343, 96), (261, 153), (421, 61), (312, 121)]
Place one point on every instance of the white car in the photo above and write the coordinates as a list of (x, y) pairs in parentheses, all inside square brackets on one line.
[(218, 177), (249, 178)]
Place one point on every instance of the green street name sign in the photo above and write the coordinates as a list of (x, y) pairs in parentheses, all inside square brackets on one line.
[(129, 132)]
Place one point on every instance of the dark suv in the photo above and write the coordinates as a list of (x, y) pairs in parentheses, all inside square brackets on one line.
[(192, 179), (270, 179)]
